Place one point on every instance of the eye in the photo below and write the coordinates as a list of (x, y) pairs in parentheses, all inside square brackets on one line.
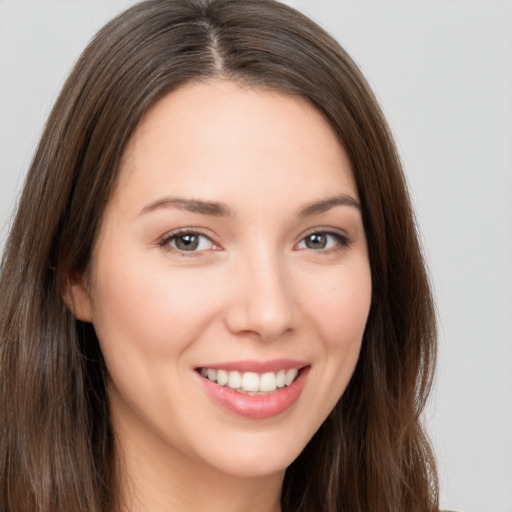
[(323, 241), (188, 241)]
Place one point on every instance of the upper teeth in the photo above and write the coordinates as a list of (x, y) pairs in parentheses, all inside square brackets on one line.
[(251, 381)]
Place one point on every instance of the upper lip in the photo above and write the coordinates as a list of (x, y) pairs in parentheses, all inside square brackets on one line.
[(257, 366)]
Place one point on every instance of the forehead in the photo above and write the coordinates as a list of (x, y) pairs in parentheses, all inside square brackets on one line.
[(226, 139)]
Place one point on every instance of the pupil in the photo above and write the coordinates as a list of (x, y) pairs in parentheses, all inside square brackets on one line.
[(187, 242), (316, 241)]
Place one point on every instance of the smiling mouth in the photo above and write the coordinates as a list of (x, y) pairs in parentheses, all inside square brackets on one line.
[(251, 383), (255, 390)]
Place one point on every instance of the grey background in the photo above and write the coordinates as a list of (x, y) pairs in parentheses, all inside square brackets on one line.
[(442, 70)]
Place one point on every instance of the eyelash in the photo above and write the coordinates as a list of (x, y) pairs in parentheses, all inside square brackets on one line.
[(343, 241), (167, 239)]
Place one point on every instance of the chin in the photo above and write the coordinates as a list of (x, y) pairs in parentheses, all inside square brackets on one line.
[(258, 458)]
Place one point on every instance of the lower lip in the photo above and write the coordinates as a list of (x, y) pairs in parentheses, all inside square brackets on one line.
[(256, 407)]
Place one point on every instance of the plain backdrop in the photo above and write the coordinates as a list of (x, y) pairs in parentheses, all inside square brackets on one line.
[(442, 71)]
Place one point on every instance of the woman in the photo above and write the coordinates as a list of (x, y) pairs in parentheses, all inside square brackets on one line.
[(213, 293)]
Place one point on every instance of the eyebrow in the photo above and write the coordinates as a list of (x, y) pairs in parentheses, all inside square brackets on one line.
[(216, 209), (190, 205), (326, 204)]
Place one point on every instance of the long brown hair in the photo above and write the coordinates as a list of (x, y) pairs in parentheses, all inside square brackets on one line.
[(56, 442)]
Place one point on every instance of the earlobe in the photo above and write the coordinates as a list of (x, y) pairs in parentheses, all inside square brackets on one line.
[(77, 298)]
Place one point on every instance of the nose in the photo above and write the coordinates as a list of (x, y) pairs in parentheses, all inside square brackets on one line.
[(262, 303)]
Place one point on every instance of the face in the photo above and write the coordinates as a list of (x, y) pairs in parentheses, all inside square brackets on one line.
[(230, 284)]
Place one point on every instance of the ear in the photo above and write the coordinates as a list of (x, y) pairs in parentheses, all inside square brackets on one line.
[(77, 297)]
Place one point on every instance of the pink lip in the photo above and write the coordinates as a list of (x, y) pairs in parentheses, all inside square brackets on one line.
[(256, 406), (257, 366)]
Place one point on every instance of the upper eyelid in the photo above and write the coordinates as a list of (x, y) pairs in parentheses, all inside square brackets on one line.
[(326, 230), (185, 231)]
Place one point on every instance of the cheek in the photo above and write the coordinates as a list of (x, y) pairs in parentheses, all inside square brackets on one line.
[(147, 317), (340, 306), (338, 311), (151, 309)]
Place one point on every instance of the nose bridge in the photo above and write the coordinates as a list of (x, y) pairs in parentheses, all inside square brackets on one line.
[(263, 303)]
